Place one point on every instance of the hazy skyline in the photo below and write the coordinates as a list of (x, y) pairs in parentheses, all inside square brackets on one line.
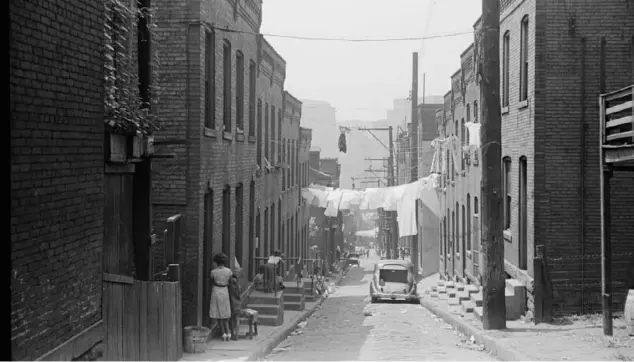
[(361, 79)]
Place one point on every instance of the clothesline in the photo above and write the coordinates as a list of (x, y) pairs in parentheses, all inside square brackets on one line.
[(401, 199)]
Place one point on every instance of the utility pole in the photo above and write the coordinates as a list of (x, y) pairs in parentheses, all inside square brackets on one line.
[(493, 299), (413, 155), (392, 182)]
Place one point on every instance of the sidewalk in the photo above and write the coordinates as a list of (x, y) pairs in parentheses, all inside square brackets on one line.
[(268, 337), (575, 338)]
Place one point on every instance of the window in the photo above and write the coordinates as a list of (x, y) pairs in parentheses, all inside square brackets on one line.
[(475, 112), (284, 171), (463, 142), (464, 226), (468, 113), (239, 91), (524, 60), (523, 215), (506, 192), (273, 135), (469, 221), (506, 54), (259, 136), (279, 135), (266, 131), (210, 76), (239, 223), (226, 93), (457, 230), (226, 221), (252, 77)]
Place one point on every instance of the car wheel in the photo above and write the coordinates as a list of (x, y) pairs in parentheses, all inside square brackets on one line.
[(375, 300)]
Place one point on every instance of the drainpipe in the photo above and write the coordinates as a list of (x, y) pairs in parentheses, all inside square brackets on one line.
[(582, 169)]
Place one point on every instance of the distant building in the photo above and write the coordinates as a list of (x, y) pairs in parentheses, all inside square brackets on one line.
[(321, 118)]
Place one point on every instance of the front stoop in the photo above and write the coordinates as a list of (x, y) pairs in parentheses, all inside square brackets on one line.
[(270, 307), (294, 296), (515, 293), (309, 294)]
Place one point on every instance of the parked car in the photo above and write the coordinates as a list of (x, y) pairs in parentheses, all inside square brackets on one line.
[(394, 280), (353, 259)]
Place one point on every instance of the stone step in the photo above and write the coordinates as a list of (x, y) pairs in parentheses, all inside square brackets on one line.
[(472, 288), (515, 298), (467, 307), (443, 296), (459, 287), (266, 309), (310, 298), (451, 293), (293, 297), (442, 290), (478, 313), (433, 294), (434, 288), (464, 296), (258, 297), (294, 306), (476, 299), (453, 301), (450, 285), (441, 283)]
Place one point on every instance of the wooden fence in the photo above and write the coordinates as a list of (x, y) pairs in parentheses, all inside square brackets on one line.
[(543, 292), (142, 320)]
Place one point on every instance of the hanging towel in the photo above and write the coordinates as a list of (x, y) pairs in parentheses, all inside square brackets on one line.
[(334, 199), (392, 196), (474, 133), (406, 210)]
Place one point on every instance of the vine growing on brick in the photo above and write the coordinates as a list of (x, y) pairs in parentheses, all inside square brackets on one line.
[(125, 110)]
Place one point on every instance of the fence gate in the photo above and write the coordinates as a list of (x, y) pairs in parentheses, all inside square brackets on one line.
[(142, 319)]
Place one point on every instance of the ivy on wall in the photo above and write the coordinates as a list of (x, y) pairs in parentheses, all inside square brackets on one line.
[(126, 112)]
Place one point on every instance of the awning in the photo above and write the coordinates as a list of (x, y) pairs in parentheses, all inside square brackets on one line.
[(320, 174)]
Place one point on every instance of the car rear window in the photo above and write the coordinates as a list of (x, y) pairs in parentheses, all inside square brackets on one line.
[(393, 275)]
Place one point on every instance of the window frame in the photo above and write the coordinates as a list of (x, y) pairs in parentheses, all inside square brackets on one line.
[(523, 78), (506, 191), (226, 89), (506, 61)]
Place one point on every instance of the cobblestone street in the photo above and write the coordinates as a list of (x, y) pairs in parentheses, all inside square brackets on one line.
[(349, 327)]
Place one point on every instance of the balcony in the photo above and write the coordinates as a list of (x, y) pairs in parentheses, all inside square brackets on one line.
[(617, 126)]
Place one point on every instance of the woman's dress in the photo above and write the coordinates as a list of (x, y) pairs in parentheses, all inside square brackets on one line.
[(220, 305)]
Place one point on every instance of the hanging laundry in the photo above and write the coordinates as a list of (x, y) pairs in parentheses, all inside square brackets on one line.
[(343, 147), (406, 210), (342, 143), (474, 133)]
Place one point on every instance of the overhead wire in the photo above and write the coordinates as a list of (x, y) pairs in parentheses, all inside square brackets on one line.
[(345, 39)]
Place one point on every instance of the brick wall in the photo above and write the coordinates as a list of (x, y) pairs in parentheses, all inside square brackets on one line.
[(558, 134), (206, 157), (57, 137)]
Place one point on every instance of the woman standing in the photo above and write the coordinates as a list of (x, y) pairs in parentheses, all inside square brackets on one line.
[(220, 305)]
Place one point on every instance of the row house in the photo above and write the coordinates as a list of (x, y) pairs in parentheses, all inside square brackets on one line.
[(555, 59), (233, 136)]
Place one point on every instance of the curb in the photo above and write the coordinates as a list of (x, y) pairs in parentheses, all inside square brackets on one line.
[(266, 346), (494, 346)]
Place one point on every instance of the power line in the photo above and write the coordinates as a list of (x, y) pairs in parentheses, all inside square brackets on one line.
[(354, 40)]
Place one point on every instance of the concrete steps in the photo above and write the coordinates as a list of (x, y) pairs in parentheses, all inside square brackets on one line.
[(269, 306), (294, 298)]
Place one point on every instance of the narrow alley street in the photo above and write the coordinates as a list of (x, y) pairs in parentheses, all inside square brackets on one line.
[(349, 327)]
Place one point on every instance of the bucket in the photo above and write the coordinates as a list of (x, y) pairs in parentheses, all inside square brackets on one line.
[(195, 339)]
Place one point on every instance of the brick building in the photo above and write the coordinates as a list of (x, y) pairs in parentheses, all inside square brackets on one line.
[(57, 177), (208, 79), (555, 59), (234, 135)]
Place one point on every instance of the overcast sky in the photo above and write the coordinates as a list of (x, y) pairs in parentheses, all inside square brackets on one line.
[(360, 79)]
